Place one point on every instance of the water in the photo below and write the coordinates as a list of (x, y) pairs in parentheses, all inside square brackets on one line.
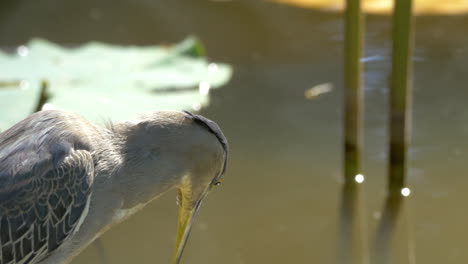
[(281, 199)]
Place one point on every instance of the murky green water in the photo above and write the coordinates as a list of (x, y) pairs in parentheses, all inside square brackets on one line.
[(280, 202)]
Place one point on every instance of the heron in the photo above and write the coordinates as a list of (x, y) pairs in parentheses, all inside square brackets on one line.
[(65, 181)]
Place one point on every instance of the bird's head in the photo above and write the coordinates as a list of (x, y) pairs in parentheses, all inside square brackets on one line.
[(168, 150)]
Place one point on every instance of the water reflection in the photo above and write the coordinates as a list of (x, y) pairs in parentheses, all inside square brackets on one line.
[(393, 240), (406, 191), (212, 67), (22, 51), (395, 215), (102, 253), (353, 241), (359, 178), (204, 88)]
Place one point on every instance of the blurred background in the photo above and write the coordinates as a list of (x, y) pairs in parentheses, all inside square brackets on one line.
[(281, 199)]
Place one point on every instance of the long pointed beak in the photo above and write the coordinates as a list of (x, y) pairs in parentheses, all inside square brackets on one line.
[(187, 213)]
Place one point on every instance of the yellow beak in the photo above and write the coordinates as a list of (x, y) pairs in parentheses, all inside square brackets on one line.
[(187, 213)]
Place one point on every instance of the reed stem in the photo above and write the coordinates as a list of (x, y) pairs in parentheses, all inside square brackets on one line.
[(353, 90), (400, 94)]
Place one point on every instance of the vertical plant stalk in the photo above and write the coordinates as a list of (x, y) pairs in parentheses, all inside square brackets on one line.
[(400, 95), (400, 130), (44, 96), (352, 245), (353, 90)]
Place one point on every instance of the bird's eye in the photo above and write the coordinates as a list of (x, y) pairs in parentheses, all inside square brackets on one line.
[(218, 182)]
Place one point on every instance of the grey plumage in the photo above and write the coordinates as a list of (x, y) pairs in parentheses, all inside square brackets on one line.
[(45, 182), (33, 228), (55, 167), (216, 130)]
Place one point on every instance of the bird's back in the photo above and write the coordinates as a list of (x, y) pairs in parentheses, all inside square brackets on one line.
[(46, 173)]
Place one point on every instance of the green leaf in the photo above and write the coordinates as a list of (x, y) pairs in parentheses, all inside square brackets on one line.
[(17, 100), (102, 81)]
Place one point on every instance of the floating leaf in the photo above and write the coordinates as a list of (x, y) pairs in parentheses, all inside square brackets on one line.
[(102, 81), (17, 101)]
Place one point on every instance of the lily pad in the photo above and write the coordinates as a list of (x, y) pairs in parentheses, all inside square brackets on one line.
[(102, 81)]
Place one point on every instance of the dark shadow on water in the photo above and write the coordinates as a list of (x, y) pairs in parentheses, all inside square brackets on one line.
[(352, 240), (395, 216), (101, 251), (386, 228)]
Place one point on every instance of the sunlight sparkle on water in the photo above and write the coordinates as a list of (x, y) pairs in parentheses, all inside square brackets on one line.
[(406, 191), (359, 178), (204, 87), (24, 85), (48, 106), (212, 67), (196, 106), (377, 215), (22, 51)]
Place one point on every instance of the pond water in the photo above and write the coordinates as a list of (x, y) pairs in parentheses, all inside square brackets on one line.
[(281, 199)]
